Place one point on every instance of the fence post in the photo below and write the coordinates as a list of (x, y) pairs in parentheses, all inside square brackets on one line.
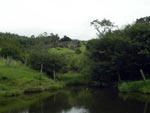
[(142, 74)]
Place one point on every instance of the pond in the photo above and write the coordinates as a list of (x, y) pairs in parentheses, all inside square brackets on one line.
[(77, 100)]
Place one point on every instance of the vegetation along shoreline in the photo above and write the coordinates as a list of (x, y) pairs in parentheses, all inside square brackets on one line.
[(47, 62)]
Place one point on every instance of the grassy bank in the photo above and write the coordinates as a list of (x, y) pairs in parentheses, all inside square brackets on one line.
[(135, 86), (73, 78), (15, 79)]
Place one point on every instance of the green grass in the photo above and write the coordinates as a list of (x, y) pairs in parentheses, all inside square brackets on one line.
[(73, 78), (135, 86), (16, 79), (61, 51)]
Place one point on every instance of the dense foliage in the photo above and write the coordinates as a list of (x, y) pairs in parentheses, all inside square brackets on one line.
[(46, 53), (120, 54), (117, 54)]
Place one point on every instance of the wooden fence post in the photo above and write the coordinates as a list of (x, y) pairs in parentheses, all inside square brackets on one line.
[(54, 74), (142, 74), (41, 70)]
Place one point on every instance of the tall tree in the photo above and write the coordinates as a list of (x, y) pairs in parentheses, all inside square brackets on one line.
[(102, 27)]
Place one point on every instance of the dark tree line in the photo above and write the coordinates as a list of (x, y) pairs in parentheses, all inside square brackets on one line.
[(120, 54)]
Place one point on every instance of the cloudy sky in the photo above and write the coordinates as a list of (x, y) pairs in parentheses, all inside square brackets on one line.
[(67, 17)]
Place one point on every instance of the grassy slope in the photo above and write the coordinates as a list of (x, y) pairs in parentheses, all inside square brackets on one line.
[(16, 78), (135, 86)]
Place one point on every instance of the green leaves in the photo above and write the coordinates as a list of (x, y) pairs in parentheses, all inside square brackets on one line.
[(102, 27), (121, 51), (49, 61)]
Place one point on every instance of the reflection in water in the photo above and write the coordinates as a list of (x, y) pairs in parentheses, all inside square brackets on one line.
[(25, 111), (77, 100), (137, 96), (76, 110)]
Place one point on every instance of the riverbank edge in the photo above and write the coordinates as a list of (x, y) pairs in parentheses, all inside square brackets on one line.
[(67, 79), (135, 86), (38, 89)]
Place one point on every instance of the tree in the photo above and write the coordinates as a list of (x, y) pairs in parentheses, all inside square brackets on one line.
[(102, 27), (122, 52), (140, 39), (11, 51), (46, 62), (143, 20), (105, 53), (32, 36), (65, 38)]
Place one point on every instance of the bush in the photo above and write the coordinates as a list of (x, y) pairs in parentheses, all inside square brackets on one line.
[(77, 51)]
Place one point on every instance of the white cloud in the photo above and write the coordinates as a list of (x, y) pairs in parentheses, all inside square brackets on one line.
[(67, 17)]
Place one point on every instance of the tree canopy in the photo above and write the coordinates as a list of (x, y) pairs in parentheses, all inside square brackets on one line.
[(120, 54)]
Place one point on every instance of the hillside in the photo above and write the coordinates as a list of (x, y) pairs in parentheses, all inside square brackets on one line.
[(16, 74), (23, 58)]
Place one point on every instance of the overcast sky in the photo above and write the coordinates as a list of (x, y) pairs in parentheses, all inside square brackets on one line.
[(67, 17)]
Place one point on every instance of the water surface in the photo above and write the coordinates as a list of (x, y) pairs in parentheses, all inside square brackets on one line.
[(77, 100)]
